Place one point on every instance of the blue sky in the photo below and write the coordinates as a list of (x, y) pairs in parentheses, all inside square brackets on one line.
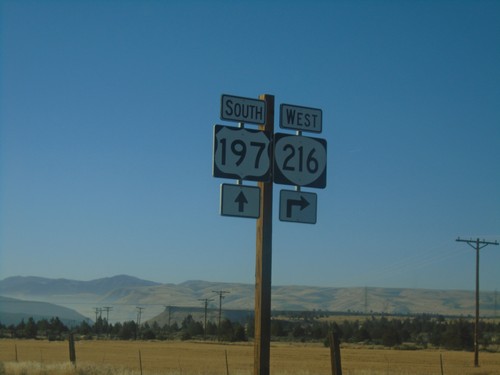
[(107, 111)]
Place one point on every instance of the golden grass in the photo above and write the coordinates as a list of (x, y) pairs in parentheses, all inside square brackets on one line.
[(194, 358)]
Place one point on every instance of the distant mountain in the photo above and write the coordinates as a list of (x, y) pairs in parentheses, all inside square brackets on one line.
[(33, 286), (82, 296), (125, 293), (12, 311)]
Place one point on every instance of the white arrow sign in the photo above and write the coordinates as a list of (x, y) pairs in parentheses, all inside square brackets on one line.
[(298, 206), (240, 200)]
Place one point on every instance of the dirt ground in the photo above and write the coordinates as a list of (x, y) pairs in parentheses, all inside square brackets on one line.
[(175, 357)]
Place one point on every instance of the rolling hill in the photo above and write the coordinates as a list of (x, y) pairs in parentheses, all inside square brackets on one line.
[(125, 293), (12, 311)]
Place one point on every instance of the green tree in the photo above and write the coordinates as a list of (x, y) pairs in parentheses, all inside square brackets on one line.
[(226, 330), (191, 327), (43, 327), (390, 336), (298, 331), (211, 328), (128, 330), (147, 333), (30, 329), (459, 335), (362, 334), (239, 333), (84, 328), (57, 326), (277, 328)]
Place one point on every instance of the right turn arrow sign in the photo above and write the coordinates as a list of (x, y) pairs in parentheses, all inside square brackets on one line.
[(290, 203), (298, 206)]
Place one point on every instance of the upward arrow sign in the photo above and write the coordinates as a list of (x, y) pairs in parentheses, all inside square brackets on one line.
[(241, 200)]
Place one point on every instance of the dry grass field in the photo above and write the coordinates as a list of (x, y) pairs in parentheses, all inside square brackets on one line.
[(37, 357)]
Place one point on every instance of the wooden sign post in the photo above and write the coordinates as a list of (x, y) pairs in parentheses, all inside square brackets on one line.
[(264, 247)]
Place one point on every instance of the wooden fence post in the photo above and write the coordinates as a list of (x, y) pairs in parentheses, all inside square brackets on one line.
[(335, 353), (72, 352), (140, 360)]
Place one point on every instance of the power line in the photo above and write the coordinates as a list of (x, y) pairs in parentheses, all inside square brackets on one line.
[(417, 260), (478, 245)]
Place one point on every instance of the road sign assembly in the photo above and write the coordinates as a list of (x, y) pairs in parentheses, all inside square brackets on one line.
[(244, 154)]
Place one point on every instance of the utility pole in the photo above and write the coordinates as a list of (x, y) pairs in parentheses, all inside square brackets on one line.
[(107, 308), (206, 301), (98, 316), (495, 311), (97, 310), (169, 309), (139, 313), (221, 296), (477, 245), (366, 300)]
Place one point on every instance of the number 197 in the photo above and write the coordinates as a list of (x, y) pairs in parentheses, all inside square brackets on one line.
[(239, 149)]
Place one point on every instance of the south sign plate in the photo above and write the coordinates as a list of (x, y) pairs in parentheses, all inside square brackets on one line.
[(241, 154), (299, 161), (245, 110), (301, 118)]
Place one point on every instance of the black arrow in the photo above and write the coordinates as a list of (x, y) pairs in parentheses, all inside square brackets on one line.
[(241, 200), (302, 203)]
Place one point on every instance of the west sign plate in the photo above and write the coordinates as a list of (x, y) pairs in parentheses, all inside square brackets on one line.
[(299, 161), (301, 118), (241, 154)]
